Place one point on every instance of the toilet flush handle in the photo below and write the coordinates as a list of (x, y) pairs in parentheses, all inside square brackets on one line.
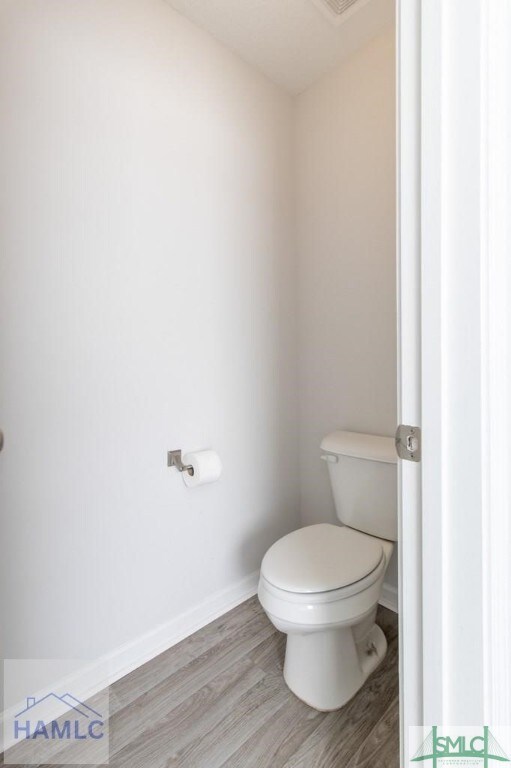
[(330, 458)]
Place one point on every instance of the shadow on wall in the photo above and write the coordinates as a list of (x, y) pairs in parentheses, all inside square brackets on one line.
[(253, 548)]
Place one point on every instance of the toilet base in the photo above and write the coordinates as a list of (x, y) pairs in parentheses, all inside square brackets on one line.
[(326, 668)]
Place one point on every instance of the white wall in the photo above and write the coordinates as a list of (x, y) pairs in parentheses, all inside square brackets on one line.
[(147, 303), (345, 150)]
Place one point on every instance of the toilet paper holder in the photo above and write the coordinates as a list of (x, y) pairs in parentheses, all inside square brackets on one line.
[(174, 459)]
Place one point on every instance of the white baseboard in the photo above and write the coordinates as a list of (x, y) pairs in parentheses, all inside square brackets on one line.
[(389, 597), (99, 674), (132, 655)]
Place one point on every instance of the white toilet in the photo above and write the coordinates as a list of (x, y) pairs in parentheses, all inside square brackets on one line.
[(321, 584)]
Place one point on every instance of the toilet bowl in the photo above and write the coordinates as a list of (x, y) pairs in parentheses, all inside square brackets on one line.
[(321, 584), (333, 643)]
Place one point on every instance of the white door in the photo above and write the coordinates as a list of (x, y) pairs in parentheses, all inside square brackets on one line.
[(409, 377), (455, 362)]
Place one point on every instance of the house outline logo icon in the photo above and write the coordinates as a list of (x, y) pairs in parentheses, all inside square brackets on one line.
[(481, 745), (80, 722)]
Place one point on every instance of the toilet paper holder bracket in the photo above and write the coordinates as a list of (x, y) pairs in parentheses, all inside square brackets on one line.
[(174, 459)]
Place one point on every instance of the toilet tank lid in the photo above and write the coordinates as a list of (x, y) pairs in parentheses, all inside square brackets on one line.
[(360, 446)]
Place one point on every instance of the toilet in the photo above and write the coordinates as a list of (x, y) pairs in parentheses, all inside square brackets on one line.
[(321, 584)]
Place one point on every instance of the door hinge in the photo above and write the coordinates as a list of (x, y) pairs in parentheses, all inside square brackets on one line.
[(408, 442)]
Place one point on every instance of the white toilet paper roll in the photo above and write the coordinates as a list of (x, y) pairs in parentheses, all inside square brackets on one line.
[(207, 468)]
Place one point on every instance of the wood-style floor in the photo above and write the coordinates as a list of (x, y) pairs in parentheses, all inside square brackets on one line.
[(219, 699)]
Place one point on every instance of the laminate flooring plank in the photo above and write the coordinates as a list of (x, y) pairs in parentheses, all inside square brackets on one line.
[(189, 722), (129, 723), (269, 655), (133, 685), (276, 741), (381, 747), (251, 712)]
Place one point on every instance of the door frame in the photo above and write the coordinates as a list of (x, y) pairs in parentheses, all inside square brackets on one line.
[(408, 69), (454, 341)]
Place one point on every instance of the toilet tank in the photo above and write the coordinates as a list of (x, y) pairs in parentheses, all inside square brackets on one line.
[(363, 474)]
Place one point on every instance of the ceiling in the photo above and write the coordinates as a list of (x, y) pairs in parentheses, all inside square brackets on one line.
[(292, 41)]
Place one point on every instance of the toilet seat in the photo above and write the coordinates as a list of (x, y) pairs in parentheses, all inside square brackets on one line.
[(302, 610), (321, 558)]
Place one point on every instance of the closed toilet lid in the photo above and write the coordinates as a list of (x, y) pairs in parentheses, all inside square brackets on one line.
[(321, 557)]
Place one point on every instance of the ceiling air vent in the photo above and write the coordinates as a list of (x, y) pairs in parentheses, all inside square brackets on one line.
[(338, 10)]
